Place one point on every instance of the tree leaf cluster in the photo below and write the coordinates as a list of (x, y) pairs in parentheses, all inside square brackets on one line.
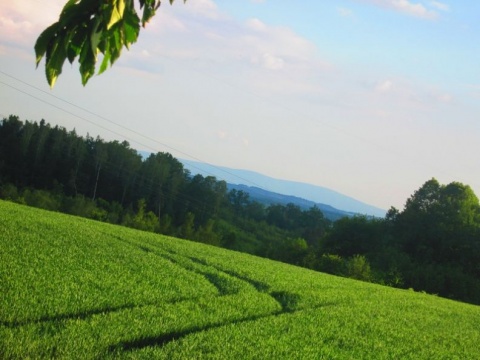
[(87, 28)]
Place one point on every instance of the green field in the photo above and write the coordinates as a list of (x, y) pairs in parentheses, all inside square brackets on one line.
[(74, 288)]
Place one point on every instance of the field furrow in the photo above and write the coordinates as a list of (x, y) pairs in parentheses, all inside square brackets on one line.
[(78, 289)]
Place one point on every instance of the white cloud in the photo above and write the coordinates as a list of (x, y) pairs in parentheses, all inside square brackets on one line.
[(400, 95), (15, 31), (419, 10), (256, 25), (344, 12), (440, 6), (221, 46), (414, 9), (196, 32), (275, 45), (384, 86), (474, 91), (204, 8), (445, 98), (222, 134), (272, 62), (232, 140), (22, 21), (164, 21)]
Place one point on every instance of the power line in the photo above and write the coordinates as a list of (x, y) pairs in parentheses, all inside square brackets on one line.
[(116, 124), (149, 183)]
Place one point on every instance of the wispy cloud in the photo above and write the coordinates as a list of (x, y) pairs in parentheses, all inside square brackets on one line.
[(272, 62), (344, 12), (270, 58), (21, 22), (473, 90), (384, 86), (204, 8), (222, 134), (416, 9), (440, 6), (401, 95)]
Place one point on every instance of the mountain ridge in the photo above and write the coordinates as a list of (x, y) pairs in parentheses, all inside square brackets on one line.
[(270, 198), (315, 193)]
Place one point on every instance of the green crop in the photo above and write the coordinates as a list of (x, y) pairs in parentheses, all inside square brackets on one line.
[(74, 288)]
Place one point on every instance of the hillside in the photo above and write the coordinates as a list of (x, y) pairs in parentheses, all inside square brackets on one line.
[(73, 288), (316, 194)]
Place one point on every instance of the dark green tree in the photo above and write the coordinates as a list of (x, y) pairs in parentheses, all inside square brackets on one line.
[(440, 223), (358, 235), (314, 226), (101, 156), (239, 200)]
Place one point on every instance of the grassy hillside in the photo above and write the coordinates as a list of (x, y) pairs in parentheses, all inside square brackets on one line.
[(74, 288)]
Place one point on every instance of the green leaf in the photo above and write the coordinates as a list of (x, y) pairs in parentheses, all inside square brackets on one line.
[(106, 59), (74, 14), (117, 12), (43, 41), (114, 44), (131, 27), (96, 35), (68, 6), (87, 64), (149, 10), (55, 57), (77, 40)]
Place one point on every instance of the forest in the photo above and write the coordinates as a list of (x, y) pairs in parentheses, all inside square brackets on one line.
[(432, 245)]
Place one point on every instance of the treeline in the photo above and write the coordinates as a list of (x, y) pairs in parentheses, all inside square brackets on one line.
[(432, 245), (56, 169)]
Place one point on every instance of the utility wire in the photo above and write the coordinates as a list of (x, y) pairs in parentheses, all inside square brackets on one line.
[(119, 125)]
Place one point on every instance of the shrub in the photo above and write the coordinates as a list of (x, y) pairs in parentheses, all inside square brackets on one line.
[(358, 268), (332, 264)]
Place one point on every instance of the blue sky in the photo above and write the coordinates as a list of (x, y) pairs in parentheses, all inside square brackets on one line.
[(367, 97)]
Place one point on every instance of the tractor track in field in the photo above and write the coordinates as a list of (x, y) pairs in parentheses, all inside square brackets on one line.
[(227, 283), (288, 301)]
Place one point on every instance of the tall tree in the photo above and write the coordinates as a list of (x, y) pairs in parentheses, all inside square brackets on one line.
[(101, 156), (10, 150), (439, 220), (76, 152)]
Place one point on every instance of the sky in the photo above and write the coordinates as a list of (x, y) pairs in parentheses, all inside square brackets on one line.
[(370, 98)]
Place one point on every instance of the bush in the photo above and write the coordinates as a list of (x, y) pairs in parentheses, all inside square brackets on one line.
[(42, 199), (332, 264), (9, 192), (358, 268), (146, 221), (79, 206), (205, 234)]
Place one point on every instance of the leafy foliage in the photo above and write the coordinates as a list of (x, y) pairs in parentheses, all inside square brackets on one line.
[(86, 28)]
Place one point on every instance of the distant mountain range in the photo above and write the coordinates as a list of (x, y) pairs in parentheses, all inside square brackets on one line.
[(268, 198), (269, 190)]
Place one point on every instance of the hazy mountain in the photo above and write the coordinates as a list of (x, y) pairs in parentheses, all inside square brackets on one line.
[(316, 194), (268, 198)]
